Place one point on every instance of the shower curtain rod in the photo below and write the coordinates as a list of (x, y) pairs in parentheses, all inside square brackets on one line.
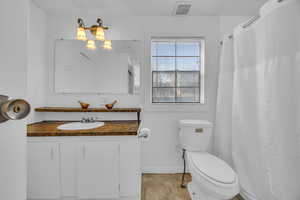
[(229, 37), (255, 18), (249, 22)]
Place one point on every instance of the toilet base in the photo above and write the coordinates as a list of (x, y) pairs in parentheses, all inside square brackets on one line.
[(196, 194)]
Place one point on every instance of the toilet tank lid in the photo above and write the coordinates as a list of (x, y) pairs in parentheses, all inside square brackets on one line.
[(195, 123)]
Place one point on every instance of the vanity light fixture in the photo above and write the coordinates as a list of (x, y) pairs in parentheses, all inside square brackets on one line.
[(100, 34), (81, 34), (96, 30), (91, 45), (107, 45)]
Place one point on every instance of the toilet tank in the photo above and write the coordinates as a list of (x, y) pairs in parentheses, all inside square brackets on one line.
[(195, 135)]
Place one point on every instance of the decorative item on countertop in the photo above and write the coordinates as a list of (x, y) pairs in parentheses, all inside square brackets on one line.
[(13, 109), (111, 105), (84, 105)]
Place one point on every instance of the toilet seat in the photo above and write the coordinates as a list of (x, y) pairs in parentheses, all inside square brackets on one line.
[(211, 176), (212, 168)]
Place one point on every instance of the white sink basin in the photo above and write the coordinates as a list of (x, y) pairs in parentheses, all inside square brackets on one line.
[(80, 126)]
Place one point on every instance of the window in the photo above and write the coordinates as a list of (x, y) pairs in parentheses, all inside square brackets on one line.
[(177, 70)]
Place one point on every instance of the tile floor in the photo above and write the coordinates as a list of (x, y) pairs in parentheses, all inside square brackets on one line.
[(164, 187)]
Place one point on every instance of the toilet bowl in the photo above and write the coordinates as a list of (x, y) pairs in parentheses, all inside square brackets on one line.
[(212, 178)]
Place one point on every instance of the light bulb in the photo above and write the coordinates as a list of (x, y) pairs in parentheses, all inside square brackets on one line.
[(107, 45), (100, 34), (81, 34), (91, 45)]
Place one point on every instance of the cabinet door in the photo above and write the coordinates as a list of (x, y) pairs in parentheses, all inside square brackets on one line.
[(68, 168), (130, 172), (43, 170), (98, 170)]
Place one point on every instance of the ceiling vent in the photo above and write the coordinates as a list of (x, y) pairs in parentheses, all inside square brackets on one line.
[(182, 8)]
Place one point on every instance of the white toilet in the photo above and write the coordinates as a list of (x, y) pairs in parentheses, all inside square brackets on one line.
[(212, 178)]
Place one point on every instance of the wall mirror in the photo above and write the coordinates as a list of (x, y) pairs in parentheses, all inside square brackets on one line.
[(78, 69)]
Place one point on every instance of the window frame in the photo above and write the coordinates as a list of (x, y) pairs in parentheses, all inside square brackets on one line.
[(201, 41)]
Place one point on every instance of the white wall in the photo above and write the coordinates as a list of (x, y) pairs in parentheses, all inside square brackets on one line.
[(37, 60), (13, 65), (160, 153)]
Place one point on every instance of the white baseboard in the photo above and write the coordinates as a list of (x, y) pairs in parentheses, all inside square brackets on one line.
[(162, 170)]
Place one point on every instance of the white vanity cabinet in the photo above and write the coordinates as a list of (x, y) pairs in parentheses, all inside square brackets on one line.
[(43, 170), (87, 167), (98, 170)]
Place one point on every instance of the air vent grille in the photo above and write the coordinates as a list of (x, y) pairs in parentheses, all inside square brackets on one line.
[(182, 8)]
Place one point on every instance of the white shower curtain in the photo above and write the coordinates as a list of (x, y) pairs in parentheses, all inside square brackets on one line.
[(223, 127), (266, 104)]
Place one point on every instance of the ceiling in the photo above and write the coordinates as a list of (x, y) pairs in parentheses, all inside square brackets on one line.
[(151, 7)]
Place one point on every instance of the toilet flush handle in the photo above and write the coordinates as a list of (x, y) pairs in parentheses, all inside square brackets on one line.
[(198, 130)]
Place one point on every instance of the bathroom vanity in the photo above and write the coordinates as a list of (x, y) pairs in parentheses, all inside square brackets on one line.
[(99, 163)]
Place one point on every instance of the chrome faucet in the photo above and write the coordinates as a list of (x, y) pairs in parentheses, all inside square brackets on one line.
[(88, 119)]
